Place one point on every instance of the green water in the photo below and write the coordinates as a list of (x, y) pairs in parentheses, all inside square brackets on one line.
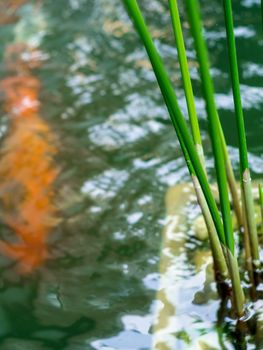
[(105, 282)]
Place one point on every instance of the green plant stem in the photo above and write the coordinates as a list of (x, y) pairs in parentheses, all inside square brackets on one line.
[(217, 253), (174, 110), (244, 168), (208, 90), (250, 216), (220, 266), (231, 181), (192, 110), (238, 295), (260, 191), (185, 71), (248, 257)]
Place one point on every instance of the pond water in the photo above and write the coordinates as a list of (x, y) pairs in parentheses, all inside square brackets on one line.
[(93, 182)]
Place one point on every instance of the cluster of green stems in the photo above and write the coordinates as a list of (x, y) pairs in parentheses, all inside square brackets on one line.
[(219, 223)]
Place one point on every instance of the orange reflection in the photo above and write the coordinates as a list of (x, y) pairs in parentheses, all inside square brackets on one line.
[(27, 168)]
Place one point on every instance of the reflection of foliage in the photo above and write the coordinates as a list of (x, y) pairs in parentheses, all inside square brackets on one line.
[(183, 335), (122, 251), (19, 323)]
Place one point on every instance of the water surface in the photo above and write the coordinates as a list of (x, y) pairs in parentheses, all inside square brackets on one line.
[(114, 175)]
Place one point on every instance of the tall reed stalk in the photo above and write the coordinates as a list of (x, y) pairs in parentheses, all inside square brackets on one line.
[(217, 253), (193, 11), (179, 40), (232, 182), (260, 192), (220, 234), (243, 157), (220, 266), (192, 110), (174, 110)]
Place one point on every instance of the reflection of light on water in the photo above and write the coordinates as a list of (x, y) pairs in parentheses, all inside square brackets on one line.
[(128, 340), (180, 322), (251, 96), (145, 199), (243, 32), (255, 162), (3, 129), (136, 335), (80, 50), (76, 4), (145, 164), (54, 300), (134, 218), (133, 123), (152, 281), (252, 70), (250, 3), (31, 27), (112, 136), (79, 83), (173, 172), (105, 185), (188, 308)]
